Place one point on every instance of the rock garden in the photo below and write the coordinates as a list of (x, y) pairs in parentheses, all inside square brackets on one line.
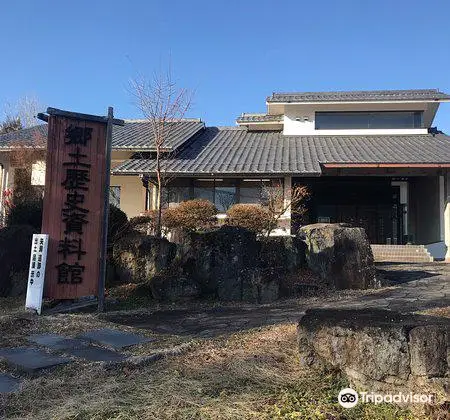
[(227, 322)]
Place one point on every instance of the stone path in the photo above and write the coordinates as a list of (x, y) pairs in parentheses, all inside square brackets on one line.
[(8, 383), (418, 287), (113, 338), (60, 350)]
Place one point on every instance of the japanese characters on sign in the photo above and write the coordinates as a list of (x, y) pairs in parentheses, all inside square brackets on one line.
[(36, 273), (74, 213), (74, 203)]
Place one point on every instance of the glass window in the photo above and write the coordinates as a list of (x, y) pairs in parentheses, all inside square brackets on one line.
[(225, 194), (177, 195), (365, 120), (204, 189), (114, 196), (250, 191), (273, 194)]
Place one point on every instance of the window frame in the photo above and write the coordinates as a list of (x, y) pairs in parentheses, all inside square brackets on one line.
[(417, 120)]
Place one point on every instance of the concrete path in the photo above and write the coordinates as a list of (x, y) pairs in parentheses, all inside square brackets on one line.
[(416, 287)]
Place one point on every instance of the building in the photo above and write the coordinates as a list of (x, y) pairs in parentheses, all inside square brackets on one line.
[(370, 158)]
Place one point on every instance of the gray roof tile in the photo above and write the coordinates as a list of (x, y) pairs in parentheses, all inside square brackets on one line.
[(139, 134), (27, 135), (250, 118), (236, 150), (360, 95), (133, 135)]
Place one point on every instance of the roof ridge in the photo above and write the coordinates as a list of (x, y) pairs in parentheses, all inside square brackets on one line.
[(144, 120), (357, 91)]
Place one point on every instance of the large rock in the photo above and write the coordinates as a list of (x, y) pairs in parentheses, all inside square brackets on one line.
[(174, 288), (340, 254), (229, 264), (137, 257), (379, 350), (222, 261)]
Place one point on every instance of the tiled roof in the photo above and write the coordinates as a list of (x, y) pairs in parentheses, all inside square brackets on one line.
[(355, 96), (133, 135), (259, 118), (238, 151), (139, 134), (27, 135)]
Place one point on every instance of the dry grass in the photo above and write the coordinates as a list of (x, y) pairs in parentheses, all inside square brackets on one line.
[(254, 374), (251, 375), (442, 312)]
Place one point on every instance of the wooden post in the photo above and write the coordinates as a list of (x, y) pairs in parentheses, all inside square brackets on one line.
[(104, 250)]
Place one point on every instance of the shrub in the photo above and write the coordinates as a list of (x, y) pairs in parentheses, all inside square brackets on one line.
[(26, 213), (250, 216), (190, 215), (118, 224), (15, 249), (145, 223)]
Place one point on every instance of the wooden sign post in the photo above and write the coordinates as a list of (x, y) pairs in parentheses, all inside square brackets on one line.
[(74, 203)]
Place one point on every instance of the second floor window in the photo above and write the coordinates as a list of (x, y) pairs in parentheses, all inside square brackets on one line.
[(368, 120)]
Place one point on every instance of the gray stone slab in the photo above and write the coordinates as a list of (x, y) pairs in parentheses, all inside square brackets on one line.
[(114, 338), (8, 384), (31, 359), (97, 354), (56, 341)]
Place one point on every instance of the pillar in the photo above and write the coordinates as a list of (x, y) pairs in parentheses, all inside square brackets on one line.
[(287, 194)]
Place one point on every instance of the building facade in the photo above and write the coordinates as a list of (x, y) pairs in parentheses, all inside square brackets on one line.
[(369, 158)]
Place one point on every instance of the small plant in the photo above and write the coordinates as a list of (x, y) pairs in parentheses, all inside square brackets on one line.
[(191, 215), (250, 216)]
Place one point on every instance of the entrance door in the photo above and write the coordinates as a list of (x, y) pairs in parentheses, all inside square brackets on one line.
[(370, 203)]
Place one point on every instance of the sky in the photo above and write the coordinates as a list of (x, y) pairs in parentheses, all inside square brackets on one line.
[(81, 55)]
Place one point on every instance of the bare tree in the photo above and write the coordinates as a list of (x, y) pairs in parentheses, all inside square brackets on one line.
[(24, 110), (25, 151), (162, 103), (273, 198)]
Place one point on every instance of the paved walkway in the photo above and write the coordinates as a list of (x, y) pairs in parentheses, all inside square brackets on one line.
[(416, 287)]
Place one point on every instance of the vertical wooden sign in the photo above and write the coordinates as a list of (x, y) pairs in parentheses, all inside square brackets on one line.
[(74, 203)]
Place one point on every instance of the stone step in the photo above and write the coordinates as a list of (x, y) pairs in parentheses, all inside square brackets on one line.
[(401, 253)]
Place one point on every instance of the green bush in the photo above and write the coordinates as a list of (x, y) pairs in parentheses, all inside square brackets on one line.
[(250, 216), (26, 213), (15, 249), (191, 215)]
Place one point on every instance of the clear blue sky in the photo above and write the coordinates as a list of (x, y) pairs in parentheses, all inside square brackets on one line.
[(80, 55)]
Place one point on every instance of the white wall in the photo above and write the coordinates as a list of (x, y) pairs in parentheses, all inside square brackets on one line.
[(299, 118)]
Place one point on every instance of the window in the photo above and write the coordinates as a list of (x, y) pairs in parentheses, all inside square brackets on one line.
[(257, 191), (177, 195), (224, 194), (368, 120), (114, 196), (251, 191), (219, 191), (204, 189)]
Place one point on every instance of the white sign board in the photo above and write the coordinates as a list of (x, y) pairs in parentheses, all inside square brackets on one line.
[(36, 274), (38, 173)]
